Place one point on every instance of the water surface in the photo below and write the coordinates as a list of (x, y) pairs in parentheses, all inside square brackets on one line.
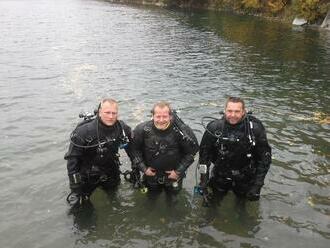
[(61, 57)]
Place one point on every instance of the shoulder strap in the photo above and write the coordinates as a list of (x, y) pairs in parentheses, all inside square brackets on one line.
[(122, 124), (250, 133), (185, 131)]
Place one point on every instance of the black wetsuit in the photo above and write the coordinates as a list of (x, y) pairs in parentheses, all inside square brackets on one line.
[(240, 153), (163, 150), (93, 155)]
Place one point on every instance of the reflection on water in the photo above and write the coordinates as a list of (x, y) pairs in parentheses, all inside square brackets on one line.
[(161, 224), (61, 57)]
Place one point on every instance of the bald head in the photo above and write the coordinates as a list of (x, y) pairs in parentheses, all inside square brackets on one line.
[(108, 111)]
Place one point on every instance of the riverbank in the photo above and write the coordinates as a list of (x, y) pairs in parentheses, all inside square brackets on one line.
[(275, 10)]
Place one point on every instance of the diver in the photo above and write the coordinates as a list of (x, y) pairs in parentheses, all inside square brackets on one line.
[(237, 147), (165, 147), (92, 158)]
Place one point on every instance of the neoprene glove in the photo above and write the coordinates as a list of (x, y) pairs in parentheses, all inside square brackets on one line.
[(254, 193)]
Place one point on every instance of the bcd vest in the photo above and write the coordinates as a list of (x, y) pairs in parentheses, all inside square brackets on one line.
[(234, 146), (161, 148)]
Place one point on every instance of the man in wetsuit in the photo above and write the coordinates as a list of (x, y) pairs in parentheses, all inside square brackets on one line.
[(165, 149), (92, 158), (237, 146)]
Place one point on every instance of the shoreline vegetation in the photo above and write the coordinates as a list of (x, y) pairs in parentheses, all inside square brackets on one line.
[(313, 12)]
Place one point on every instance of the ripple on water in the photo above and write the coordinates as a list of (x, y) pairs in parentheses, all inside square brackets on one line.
[(64, 57)]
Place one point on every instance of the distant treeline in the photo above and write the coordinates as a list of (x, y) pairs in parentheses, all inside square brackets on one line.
[(311, 10)]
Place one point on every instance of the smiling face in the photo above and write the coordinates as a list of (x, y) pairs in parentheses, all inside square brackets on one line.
[(108, 113), (234, 112), (161, 117)]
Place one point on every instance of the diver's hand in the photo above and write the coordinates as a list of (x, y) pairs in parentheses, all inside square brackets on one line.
[(172, 174), (151, 172)]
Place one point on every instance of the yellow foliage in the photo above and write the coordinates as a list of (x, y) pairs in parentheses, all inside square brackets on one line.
[(311, 9), (276, 5), (321, 118), (253, 4)]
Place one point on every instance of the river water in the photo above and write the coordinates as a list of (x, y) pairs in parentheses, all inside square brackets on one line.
[(59, 58)]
